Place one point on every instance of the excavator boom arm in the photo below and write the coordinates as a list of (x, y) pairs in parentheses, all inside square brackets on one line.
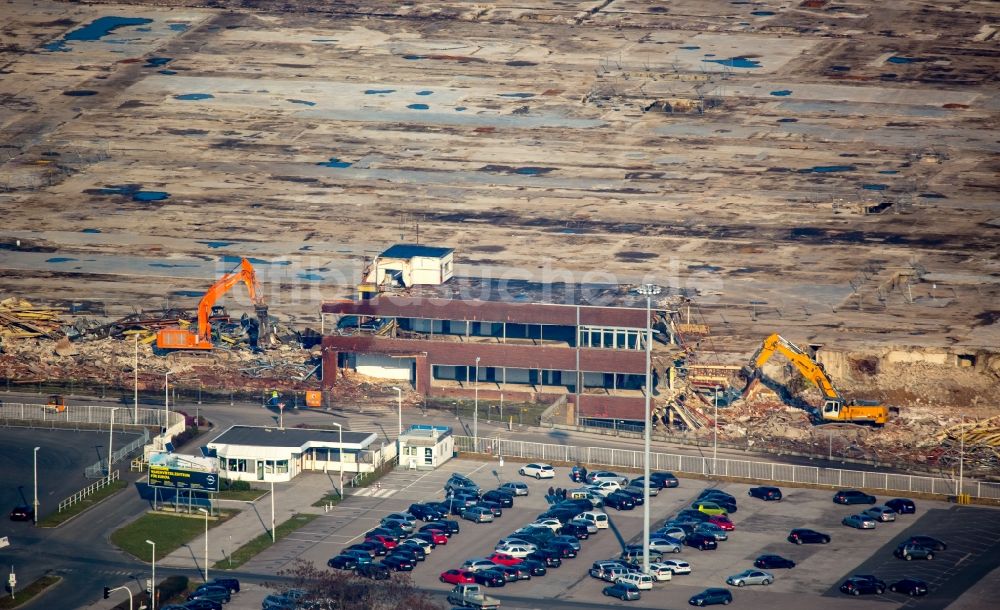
[(809, 368)]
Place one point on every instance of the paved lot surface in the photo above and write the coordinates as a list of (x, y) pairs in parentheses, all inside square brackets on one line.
[(760, 528)]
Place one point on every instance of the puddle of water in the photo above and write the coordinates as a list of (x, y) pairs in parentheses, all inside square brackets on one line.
[(762, 13), (188, 293), (568, 232), (172, 266), (303, 102), (194, 96), (149, 196), (125, 189), (889, 171), (80, 93), (178, 27), (690, 48), (520, 63), (827, 169), (59, 259), (418, 106), (874, 187), (335, 162), (143, 29), (933, 196), (167, 72), (156, 62), (378, 91), (459, 108), (709, 55), (899, 59), (95, 30), (306, 248), (255, 261), (735, 62), (840, 68), (90, 230), (414, 57), (518, 95), (310, 276), (425, 92), (532, 171), (710, 268), (324, 40), (217, 244), (788, 120), (781, 93)]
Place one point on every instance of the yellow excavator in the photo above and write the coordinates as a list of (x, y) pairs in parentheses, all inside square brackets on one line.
[(835, 407)]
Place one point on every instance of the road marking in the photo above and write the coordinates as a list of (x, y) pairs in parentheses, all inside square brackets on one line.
[(964, 557)]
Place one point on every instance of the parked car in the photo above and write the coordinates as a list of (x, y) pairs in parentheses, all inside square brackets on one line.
[(636, 494), (553, 524), (550, 559), (676, 532), (580, 531), (570, 540), (517, 551), (622, 590), (768, 562), (664, 479), (711, 597), (343, 562), (927, 541), (398, 563), (660, 572), (203, 603), (425, 512), (460, 481), (590, 525), (392, 534), (674, 565), (910, 551), (643, 582), (712, 493), (383, 539), (606, 475), (414, 553), (371, 547), (766, 493), (443, 509), (504, 499), (861, 522), (478, 565), (445, 526), (478, 514), (693, 515), (230, 583), (902, 506), (407, 527), (807, 536), (880, 513), (515, 487), (598, 518), (701, 542), (608, 570), (457, 577), (620, 501), (374, 571), (537, 470), (914, 587), (503, 559), (22, 513), (633, 554), (636, 486), (852, 496), (216, 594), (751, 577), (713, 530), (493, 507), (433, 536), (490, 578), (462, 501), (862, 586), (405, 517), (665, 545), (510, 574), (603, 488), (535, 568), (562, 549), (723, 502), (419, 543), (723, 522)]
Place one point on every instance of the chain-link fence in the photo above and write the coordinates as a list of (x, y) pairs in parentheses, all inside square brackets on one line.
[(760, 471)]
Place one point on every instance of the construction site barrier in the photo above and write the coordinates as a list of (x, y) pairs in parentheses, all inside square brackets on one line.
[(88, 490), (745, 469)]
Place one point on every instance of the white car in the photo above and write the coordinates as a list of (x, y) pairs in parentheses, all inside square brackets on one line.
[(400, 517), (664, 545), (553, 524), (661, 572), (677, 533), (539, 471), (674, 565), (643, 582), (478, 565), (604, 475), (420, 542), (516, 550), (604, 488)]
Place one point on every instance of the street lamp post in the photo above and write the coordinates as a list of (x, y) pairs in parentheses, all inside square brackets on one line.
[(475, 412), (135, 383), (648, 290), (152, 586), (340, 455), (399, 397), (272, 510), (202, 510), (961, 462), (166, 406), (111, 436), (715, 435), (34, 516)]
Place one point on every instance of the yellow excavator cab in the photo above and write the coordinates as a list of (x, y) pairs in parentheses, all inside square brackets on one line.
[(56, 403)]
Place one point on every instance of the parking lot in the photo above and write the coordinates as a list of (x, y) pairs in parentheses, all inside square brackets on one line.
[(760, 527)]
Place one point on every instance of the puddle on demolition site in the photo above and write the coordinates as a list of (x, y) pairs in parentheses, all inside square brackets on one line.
[(157, 62), (899, 59), (425, 92), (781, 93), (217, 244), (708, 268), (80, 93), (310, 276), (335, 162), (130, 190), (167, 72), (735, 62), (187, 97), (172, 265), (788, 120), (517, 95), (378, 91), (150, 196), (762, 13), (60, 259), (460, 108), (875, 187), (690, 48), (414, 57), (889, 171), (827, 169), (178, 27), (187, 293), (90, 230), (303, 102), (255, 261), (95, 30), (417, 106)]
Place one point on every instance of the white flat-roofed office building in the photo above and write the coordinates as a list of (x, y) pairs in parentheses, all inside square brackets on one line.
[(271, 454)]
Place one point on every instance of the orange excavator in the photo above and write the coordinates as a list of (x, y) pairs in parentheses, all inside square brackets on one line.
[(180, 338)]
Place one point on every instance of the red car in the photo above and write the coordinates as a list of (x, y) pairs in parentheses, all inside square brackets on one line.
[(388, 543), (723, 522), (503, 559), (458, 577), (437, 536)]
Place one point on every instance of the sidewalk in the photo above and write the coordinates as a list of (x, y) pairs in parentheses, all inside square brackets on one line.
[(252, 520)]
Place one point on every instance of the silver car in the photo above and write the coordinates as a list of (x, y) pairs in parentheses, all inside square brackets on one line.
[(880, 513), (861, 522), (478, 514), (751, 577), (664, 545)]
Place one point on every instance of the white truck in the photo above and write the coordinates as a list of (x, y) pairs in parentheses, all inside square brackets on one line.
[(472, 596)]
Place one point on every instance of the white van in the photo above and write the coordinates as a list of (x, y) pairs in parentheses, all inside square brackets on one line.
[(599, 519), (643, 581)]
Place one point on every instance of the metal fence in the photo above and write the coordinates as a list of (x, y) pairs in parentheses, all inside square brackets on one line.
[(761, 471), (100, 468), (86, 491)]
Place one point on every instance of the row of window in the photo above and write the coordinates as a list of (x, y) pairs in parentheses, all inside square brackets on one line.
[(240, 465)]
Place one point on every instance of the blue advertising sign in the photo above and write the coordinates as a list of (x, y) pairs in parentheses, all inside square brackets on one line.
[(183, 472)]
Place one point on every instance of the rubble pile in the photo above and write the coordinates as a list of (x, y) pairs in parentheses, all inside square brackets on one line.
[(20, 319)]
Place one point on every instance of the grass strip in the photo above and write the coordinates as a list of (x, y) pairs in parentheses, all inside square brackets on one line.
[(250, 550), (169, 532), (25, 595), (56, 519)]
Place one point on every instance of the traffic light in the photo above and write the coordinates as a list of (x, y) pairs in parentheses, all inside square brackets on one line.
[(107, 592)]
